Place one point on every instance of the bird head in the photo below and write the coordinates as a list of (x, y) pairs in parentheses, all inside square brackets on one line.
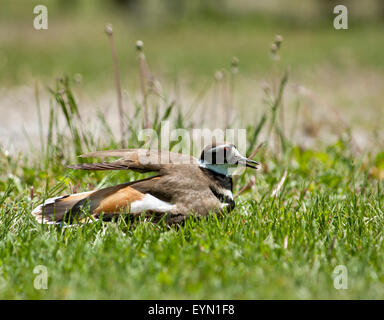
[(224, 158)]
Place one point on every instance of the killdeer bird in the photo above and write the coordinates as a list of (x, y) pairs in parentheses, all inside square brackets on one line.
[(184, 185)]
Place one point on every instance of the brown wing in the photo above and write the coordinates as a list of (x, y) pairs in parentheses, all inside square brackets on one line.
[(140, 160)]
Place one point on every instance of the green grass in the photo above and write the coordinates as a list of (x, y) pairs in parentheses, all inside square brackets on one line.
[(328, 213), (337, 221)]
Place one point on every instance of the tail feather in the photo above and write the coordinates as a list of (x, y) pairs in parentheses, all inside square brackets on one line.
[(108, 202), (53, 210)]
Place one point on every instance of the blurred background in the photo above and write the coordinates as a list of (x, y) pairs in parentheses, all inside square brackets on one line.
[(335, 76)]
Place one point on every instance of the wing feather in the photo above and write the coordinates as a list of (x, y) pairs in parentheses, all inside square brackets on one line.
[(107, 166), (140, 160)]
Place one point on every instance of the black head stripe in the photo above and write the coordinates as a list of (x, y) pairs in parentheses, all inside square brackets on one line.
[(215, 154)]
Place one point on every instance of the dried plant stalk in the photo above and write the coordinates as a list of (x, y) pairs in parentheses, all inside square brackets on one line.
[(109, 32)]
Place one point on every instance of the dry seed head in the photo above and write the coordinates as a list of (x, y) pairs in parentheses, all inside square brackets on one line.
[(278, 41), (274, 48), (219, 75), (139, 45), (274, 52), (235, 62), (108, 29)]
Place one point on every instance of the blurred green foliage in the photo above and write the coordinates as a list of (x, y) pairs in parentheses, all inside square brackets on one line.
[(190, 38)]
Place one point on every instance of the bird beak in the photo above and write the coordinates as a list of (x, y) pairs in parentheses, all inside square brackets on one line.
[(249, 163), (252, 164)]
